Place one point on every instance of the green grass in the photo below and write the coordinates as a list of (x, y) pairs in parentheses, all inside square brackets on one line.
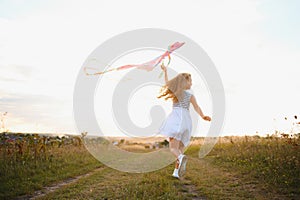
[(19, 176), (273, 162)]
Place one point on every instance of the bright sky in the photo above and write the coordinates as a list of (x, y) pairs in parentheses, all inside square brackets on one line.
[(254, 45)]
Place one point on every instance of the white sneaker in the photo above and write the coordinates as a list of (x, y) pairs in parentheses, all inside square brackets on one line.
[(175, 173), (182, 164)]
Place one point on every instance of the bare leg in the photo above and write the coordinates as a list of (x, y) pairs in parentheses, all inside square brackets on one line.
[(174, 147), (181, 147)]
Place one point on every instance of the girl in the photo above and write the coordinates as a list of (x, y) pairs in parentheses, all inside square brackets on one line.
[(178, 125)]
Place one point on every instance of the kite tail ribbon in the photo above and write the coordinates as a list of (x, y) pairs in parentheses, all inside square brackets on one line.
[(148, 66)]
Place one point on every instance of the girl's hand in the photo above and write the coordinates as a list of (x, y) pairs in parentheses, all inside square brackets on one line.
[(206, 118), (163, 67)]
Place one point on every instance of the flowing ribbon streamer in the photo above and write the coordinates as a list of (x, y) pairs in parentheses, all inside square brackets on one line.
[(148, 66)]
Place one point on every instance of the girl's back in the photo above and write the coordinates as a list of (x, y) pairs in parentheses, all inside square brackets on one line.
[(184, 102)]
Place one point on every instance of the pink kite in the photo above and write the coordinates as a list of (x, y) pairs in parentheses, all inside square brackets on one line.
[(148, 66)]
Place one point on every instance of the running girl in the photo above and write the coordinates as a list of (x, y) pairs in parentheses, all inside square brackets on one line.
[(178, 125)]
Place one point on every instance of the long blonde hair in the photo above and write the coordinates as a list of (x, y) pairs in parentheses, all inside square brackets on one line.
[(174, 88)]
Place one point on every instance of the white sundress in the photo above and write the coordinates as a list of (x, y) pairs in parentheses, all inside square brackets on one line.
[(178, 123)]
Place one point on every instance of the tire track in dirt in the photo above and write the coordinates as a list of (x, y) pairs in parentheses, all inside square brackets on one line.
[(48, 189), (222, 183), (191, 191)]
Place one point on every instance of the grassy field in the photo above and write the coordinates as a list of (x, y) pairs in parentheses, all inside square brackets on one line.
[(275, 162), (28, 164), (237, 168)]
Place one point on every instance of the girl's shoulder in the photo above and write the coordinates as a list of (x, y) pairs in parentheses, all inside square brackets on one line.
[(189, 92)]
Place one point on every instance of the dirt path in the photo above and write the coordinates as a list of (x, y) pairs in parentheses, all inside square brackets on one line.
[(187, 188), (218, 182), (191, 190), (203, 180), (48, 189)]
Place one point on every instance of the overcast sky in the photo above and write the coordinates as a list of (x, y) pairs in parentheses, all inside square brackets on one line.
[(254, 45)]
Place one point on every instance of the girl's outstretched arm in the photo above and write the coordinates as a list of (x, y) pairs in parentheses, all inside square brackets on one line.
[(163, 67), (198, 109)]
